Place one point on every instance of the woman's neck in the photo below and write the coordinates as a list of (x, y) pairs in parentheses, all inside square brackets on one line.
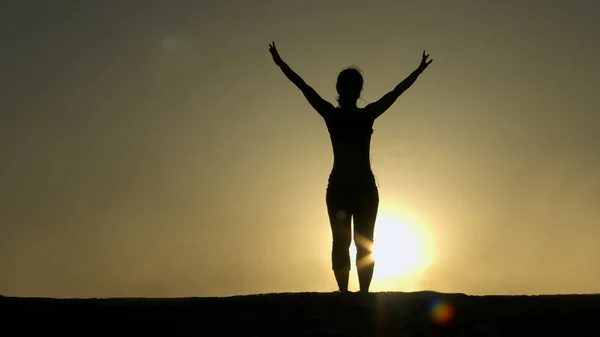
[(347, 103)]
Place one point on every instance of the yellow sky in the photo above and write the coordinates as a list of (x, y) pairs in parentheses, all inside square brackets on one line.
[(153, 149)]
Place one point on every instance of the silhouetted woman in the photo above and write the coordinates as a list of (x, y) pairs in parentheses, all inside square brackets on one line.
[(352, 191)]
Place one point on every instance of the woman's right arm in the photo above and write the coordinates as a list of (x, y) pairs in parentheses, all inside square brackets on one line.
[(377, 108), (319, 104)]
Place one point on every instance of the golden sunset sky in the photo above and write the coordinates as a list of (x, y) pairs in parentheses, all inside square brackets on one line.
[(152, 148)]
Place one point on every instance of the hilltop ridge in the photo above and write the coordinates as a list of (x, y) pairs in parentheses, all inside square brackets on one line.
[(424, 313)]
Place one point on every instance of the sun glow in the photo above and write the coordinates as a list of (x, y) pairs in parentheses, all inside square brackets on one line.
[(401, 251)]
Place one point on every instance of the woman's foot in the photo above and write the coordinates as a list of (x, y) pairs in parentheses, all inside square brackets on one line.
[(365, 275), (342, 277)]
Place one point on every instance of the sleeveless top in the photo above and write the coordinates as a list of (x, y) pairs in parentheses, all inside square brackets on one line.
[(350, 132)]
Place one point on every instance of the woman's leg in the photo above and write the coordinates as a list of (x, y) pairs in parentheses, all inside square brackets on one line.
[(339, 218), (365, 214)]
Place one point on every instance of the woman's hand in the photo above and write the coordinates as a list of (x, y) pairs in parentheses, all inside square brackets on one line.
[(276, 58), (424, 62)]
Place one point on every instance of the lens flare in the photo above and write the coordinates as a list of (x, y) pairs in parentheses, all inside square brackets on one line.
[(442, 312)]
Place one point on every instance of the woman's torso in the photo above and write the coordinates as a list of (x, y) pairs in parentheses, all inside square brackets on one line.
[(350, 132)]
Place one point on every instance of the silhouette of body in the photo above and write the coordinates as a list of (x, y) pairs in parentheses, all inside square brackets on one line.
[(351, 191)]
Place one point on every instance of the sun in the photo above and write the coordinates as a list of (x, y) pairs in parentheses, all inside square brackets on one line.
[(401, 251)]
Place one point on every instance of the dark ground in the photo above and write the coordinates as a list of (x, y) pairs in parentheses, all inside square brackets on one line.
[(308, 314)]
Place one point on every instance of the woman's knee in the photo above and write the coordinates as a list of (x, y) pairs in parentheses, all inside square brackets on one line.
[(341, 242), (364, 244)]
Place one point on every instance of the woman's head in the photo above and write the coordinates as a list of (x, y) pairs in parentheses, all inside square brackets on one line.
[(349, 85)]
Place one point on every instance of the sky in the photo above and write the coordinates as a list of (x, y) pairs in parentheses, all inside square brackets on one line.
[(153, 149)]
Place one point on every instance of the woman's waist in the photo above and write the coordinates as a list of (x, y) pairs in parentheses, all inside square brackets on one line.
[(351, 175), (352, 162)]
